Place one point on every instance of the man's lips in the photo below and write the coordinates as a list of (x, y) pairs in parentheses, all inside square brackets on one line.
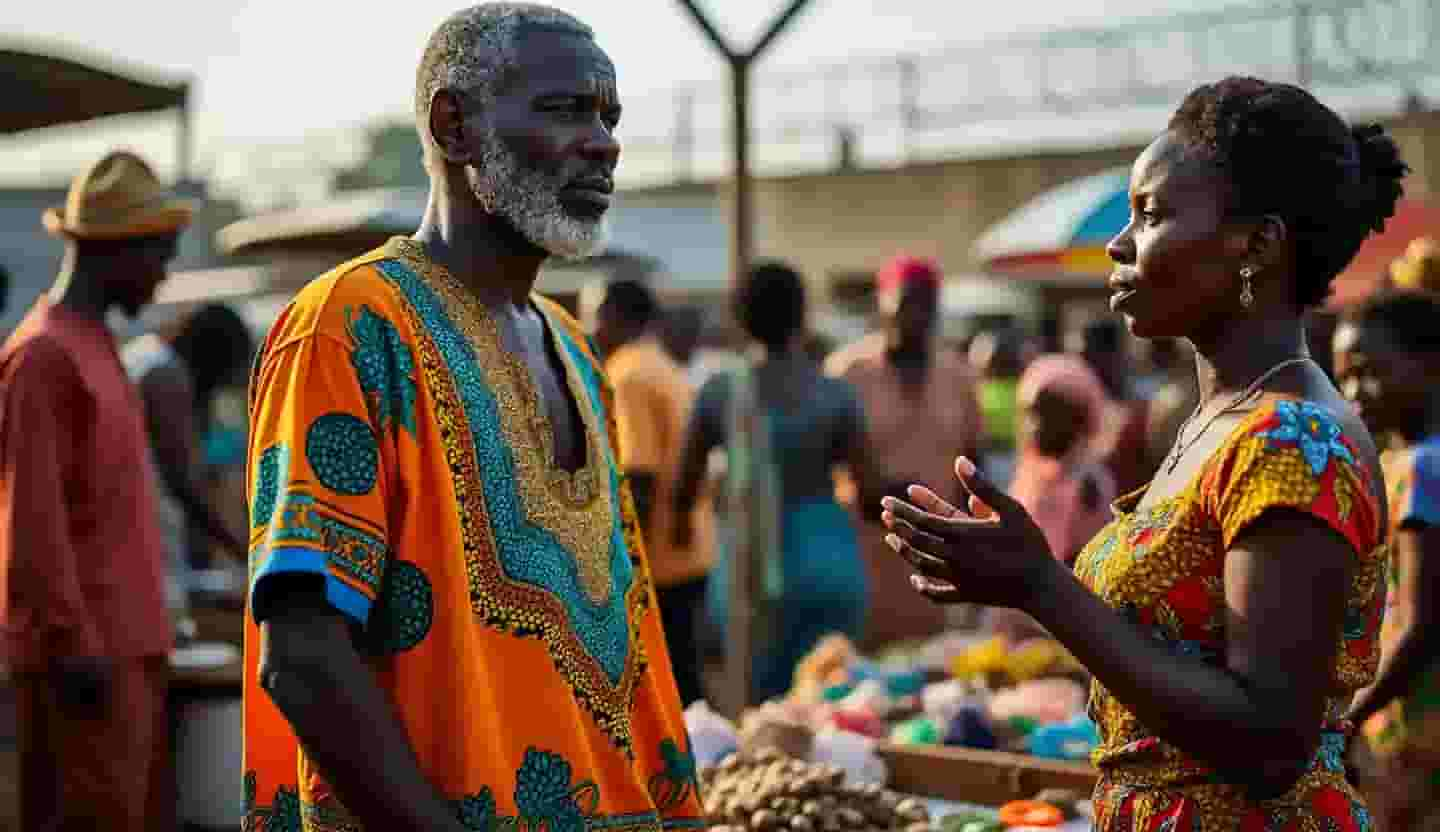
[(596, 191)]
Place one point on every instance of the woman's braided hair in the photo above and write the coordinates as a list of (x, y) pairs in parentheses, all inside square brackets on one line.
[(1286, 154)]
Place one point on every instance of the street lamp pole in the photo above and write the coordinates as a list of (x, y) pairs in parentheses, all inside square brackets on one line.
[(742, 561), (742, 196)]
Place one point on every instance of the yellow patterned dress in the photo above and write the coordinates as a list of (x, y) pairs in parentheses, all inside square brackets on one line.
[(1163, 568), (400, 453)]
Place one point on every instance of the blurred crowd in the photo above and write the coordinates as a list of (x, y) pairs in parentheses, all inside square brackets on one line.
[(446, 479)]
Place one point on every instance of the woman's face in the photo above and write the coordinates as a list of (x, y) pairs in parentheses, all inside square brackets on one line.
[(1052, 423), (1177, 262), (1388, 387)]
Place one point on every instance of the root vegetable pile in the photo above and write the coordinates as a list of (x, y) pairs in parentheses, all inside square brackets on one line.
[(766, 791)]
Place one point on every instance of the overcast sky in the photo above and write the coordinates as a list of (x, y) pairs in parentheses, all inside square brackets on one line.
[(279, 70)]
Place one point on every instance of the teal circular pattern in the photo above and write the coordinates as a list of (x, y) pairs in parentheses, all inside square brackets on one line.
[(342, 452), (405, 611), (267, 486)]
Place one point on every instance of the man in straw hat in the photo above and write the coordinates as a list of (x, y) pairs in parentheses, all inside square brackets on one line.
[(86, 632), (451, 619)]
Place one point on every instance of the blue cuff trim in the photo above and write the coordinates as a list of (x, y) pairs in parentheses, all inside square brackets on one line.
[(296, 559)]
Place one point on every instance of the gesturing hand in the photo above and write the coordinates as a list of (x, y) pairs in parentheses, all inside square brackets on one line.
[(991, 554)]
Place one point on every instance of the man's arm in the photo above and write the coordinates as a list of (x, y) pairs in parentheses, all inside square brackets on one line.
[(169, 412), (314, 674), (639, 422), (703, 434)]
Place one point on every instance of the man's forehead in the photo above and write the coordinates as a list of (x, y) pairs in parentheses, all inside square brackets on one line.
[(559, 53)]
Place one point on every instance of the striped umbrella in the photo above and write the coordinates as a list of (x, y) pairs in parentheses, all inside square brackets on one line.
[(1061, 232)]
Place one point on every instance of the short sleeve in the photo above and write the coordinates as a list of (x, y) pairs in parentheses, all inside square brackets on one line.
[(639, 420), (316, 487), (1292, 455), (1420, 503)]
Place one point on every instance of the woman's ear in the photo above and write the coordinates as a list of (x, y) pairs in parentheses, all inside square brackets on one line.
[(1265, 244)]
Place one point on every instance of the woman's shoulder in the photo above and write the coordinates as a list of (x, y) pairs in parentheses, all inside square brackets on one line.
[(1310, 435), (1302, 454)]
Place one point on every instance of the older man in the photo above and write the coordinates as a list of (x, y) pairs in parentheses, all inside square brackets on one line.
[(922, 411), (86, 631), (453, 625)]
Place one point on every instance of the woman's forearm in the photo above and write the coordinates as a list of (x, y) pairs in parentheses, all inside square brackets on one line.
[(1202, 709)]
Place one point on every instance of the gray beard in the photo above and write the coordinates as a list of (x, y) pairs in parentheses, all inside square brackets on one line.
[(530, 200)]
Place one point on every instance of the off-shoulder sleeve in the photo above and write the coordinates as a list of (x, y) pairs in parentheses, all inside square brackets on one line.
[(327, 406), (1292, 455)]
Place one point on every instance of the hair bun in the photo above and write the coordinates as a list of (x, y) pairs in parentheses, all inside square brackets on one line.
[(1381, 170)]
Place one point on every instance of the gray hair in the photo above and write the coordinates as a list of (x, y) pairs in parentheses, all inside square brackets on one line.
[(474, 49)]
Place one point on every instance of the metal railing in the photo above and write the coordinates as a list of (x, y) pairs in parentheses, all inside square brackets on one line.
[(1324, 43)]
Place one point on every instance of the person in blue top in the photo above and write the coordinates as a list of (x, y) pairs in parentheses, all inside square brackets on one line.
[(784, 426)]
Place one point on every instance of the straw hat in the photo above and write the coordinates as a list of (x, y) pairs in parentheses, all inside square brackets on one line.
[(118, 197)]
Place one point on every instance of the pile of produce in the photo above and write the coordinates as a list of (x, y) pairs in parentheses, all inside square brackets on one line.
[(768, 791), (985, 692)]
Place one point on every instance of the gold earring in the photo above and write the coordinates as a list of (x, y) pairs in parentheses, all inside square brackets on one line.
[(1247, 296)]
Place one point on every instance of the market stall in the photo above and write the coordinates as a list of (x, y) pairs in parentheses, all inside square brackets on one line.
[(981, 728), (1057, 240)]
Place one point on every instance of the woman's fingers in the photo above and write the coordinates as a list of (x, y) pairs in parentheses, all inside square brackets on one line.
[(923, 539), (931, 502), (934, 589), (942, 527), (918, 559), (981, 489)]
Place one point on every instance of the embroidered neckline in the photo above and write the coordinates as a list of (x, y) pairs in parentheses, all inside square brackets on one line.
[(575, 506), (577, 487)]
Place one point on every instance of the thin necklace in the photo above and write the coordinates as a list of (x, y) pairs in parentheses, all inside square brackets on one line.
[(1177, 451)]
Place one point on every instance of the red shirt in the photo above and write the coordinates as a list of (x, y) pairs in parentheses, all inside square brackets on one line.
[(81, 562)]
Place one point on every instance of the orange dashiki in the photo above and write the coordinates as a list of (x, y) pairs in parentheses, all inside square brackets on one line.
[(400, 452), (1163, 568)]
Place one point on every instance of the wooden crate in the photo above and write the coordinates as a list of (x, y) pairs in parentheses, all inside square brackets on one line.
[(990, 778)]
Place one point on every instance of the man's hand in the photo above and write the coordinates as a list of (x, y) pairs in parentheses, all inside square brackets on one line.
[(82, 685)]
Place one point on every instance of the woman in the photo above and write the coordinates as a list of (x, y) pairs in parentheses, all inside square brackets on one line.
[(1232, 609), (784, 426), (1058, 479), (1387, 354), (179, 373)]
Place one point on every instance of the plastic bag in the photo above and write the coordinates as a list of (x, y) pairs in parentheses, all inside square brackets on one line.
[(712, 736), (853, 753)]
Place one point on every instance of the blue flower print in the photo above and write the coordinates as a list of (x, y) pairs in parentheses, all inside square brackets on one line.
[(1313, 430)]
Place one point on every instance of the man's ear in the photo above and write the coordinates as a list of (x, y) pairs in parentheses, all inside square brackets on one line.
[(447, 127)]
